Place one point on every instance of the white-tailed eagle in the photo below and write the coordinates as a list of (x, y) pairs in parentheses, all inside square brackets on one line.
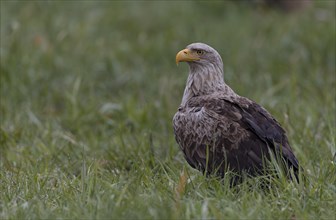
[(219, 130)]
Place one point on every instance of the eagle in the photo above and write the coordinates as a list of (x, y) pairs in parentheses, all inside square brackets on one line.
[(220, 131)]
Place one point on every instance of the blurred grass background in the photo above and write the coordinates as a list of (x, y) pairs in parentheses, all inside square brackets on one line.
[(89, 89)]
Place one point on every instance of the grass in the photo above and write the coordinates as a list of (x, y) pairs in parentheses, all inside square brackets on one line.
[(89, 89)]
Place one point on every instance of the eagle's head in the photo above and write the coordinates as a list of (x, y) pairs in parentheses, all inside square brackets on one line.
[(200, 55), (205, 70)]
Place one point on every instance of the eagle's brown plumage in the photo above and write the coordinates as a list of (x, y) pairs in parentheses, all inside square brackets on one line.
[(219, 130)]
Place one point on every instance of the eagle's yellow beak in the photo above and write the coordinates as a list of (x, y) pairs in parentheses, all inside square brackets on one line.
[(186, 55)]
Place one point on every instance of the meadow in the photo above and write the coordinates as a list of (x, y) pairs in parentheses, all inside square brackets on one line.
[(89, 89)]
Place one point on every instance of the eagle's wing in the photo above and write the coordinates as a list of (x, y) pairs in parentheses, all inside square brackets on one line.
[(269, 130), (216, 134)]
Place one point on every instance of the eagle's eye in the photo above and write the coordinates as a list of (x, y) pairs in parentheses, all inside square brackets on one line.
[(200, 52)]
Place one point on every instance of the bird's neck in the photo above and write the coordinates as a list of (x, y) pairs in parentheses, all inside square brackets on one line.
[(203, 80)]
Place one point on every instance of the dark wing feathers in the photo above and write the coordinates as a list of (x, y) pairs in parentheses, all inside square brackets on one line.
[(217, 133), (261, 123), (270, 131)]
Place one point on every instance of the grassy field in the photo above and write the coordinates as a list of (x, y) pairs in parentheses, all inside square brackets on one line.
[(89, 89)]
